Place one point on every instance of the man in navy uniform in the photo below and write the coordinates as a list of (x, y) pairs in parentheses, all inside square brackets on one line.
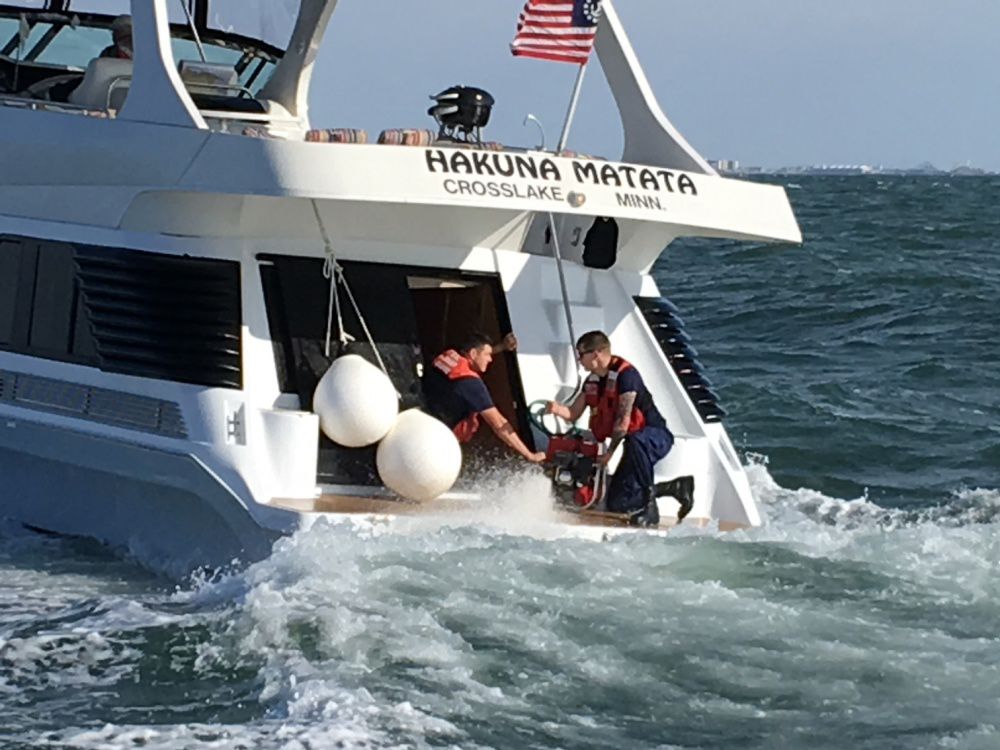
[(457, 395), (622, 410)]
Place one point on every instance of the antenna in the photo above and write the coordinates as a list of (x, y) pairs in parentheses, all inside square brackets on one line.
[(538, 123)]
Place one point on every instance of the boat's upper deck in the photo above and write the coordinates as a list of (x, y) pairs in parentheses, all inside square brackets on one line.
[(202, 128), (63, 59)]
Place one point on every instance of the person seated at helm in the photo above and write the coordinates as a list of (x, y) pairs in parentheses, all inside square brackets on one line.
[(622, 409), (457, 395), (121, 35)]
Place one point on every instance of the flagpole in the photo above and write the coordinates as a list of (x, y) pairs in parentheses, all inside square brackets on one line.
[(572, 108)]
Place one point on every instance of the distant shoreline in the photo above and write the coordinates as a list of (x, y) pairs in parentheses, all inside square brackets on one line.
[(854, 171)]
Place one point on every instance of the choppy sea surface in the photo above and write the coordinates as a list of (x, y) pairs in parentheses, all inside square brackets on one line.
[(861, 373)]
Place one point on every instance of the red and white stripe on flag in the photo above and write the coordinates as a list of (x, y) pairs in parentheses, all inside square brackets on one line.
[(560, 31)]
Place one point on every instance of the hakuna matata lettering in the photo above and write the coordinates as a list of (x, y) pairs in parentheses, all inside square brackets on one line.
[(584, 172)]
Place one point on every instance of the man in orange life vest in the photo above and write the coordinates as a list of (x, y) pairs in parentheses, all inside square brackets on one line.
[(457, 395), (622, 408)]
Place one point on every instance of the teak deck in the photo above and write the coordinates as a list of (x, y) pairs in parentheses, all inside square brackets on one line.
[(382, 506)]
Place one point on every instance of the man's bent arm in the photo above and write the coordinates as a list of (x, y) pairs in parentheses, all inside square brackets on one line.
[(623, 416), (506, 432), (570, 413)]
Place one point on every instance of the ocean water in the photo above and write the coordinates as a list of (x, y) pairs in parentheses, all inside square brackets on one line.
[(861, 374)]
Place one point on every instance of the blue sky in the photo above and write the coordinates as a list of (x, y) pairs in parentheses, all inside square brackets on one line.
[(768, 82)]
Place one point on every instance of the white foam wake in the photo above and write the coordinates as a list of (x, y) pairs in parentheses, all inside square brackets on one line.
[(418, 637)]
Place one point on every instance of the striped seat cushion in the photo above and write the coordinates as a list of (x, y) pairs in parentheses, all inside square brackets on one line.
[(337, 135), (407, 137)]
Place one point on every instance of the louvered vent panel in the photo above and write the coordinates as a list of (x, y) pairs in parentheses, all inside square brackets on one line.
[(163, 316), (109, 407), (668, 328)]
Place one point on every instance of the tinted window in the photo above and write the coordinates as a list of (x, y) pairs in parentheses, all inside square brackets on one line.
[(74, 47), (54, 302), (39, 301), (10, 264)]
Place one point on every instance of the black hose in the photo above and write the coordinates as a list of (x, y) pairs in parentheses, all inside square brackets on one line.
[(536, 415)]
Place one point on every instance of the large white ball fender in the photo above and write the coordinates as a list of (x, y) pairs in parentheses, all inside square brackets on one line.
[(356, 402), (420, 457)]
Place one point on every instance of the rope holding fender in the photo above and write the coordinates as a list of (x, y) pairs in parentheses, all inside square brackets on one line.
[(361, 318), (333, 271), (330, 271)]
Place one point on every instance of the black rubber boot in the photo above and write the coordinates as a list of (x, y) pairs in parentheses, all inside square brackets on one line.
[(682, 489), (652, 514), (647, 516)]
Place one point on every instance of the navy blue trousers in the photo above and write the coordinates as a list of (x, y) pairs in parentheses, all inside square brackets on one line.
[(630, 486)]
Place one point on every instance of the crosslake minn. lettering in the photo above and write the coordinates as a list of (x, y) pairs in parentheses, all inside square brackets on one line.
[(495, 189), (486, 164)]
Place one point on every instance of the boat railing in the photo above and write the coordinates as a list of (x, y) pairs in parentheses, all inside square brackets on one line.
[(22, 102), (268, 122), (217, 119)]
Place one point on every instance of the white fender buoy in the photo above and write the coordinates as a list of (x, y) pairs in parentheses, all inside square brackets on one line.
[(420, 457), (356, 402)]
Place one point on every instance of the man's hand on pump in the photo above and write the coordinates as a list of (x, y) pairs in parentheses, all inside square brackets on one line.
[(506, 432), (616, 439), (460, 395)]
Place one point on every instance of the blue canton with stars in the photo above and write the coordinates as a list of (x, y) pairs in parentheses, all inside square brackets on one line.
[(586, 12)]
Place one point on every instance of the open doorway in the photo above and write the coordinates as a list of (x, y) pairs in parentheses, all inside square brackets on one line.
[(413, 314), (448, 310)]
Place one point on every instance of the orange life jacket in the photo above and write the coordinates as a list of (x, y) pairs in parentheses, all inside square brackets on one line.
[(456, 367), (603, 402)]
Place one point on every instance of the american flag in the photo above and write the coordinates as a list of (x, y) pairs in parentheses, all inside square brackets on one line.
[(560, 31)]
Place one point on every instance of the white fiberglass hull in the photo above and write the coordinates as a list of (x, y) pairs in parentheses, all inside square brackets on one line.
[(165, 509), (173, 514)]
